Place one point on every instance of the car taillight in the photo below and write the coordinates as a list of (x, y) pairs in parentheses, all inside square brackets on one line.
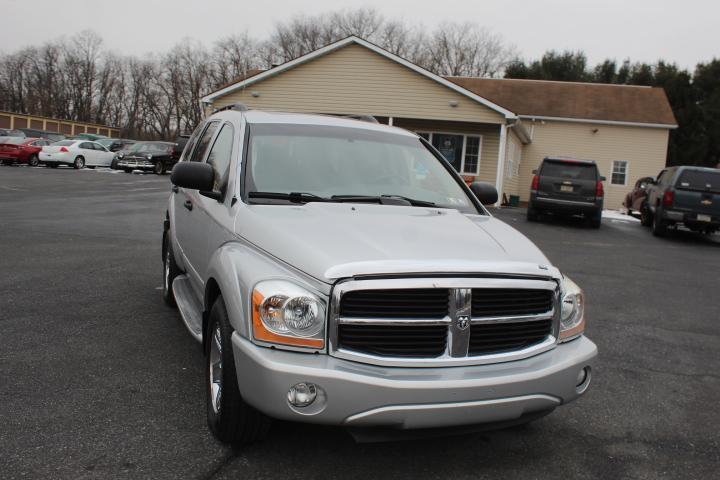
[(535, 183), (668, 198), (64, 149), (600, 191)]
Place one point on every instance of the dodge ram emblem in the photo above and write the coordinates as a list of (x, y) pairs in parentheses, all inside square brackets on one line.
[(463, 322)]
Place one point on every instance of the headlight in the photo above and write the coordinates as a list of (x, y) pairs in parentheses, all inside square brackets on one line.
[(149, 156), (572, 310), (120, 155), (287, 314)]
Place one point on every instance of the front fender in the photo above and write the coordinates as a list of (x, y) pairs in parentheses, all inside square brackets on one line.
[(237, 267)]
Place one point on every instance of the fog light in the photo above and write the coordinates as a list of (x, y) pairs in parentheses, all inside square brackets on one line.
[(302, 394), (583, 380), (582, 375)]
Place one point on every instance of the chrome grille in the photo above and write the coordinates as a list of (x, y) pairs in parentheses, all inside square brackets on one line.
[(443, 321)]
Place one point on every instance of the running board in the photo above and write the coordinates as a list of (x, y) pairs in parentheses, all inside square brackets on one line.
[(190, 308)]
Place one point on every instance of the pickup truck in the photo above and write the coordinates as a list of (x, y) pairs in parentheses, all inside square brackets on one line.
[(338, 271), (688, 196)]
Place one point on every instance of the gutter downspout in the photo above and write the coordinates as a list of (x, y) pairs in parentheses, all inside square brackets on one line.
[(501, 163)]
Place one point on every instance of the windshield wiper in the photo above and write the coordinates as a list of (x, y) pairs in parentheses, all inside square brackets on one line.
[(293, 197), (383, 199)]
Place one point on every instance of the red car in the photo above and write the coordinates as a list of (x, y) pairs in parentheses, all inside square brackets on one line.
[(22, 150)]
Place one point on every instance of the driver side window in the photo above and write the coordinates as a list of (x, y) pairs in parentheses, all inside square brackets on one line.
[(204, 142), (220, 157)]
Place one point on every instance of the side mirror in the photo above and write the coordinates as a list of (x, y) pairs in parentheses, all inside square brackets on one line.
[(193, 176), (485, 192), (602, 179)]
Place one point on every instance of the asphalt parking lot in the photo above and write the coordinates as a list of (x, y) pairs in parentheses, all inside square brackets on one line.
[(99, 379)]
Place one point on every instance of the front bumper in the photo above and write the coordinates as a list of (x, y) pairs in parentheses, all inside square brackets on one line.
[(361, 395), (136, 164)]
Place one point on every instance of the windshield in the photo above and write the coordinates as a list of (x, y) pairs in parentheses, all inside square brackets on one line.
[(328, 161), (569, 170), (149, 148)]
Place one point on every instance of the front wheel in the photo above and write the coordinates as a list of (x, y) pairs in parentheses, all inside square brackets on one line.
[(159, 168), (170, 271), (79, 163), (230, 419), (34, 161)]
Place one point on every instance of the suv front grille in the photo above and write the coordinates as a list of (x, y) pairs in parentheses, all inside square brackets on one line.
[(489, 338), (444, 323), (399, 303), (506, 302), (395, 341)]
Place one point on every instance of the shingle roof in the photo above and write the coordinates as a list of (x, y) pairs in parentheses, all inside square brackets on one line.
[(590, 101)]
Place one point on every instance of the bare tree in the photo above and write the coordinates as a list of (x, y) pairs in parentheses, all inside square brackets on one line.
[(464, 49)]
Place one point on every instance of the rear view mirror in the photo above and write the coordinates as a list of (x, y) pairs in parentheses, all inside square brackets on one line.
[(485, 192), (193, 176)]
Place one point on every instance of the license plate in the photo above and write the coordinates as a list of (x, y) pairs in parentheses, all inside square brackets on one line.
[(566, 188), (704, 218)]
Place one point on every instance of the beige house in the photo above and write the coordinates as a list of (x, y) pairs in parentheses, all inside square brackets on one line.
[(488, 129)]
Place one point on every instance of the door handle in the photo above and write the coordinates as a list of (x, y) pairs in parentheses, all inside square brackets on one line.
[(188, 204), (175, 189)]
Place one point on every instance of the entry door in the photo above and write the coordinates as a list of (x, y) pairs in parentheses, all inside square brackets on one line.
[(451, 147)]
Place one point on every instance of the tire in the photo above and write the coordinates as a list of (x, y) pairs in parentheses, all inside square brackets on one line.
[(79, 163), (113, 164), (532, 214), (33, 161), (229, 418), (645, 216), (159, 168), (170, 271), (596, 219), (659, 226)]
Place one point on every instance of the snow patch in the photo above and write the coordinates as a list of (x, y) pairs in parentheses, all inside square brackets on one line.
[(620, 216)]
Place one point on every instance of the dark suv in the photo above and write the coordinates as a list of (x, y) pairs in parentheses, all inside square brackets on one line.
[(568, 187), (683, 195)]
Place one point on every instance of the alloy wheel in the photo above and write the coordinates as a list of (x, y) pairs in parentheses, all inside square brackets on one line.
[(216, 371)]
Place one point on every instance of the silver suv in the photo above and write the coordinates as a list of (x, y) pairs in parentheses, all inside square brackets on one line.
[(339, 271)]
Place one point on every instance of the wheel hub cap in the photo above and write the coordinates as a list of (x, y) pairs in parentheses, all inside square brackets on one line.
[(216, 370)]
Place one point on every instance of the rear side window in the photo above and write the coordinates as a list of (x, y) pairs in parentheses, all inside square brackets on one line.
[(699, 180), (569, 170)]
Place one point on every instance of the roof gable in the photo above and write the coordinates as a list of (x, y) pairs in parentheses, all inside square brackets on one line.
[(258, 77), (576, 101)]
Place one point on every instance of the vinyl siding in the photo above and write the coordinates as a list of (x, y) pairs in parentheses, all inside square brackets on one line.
[(645, 150), (356, 80), (490, 139)]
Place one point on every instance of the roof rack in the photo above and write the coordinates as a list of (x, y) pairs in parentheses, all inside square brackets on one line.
[(364, 118), (239, 107)]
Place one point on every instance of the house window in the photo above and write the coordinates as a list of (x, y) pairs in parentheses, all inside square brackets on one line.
[(460, 150), (619, 172)]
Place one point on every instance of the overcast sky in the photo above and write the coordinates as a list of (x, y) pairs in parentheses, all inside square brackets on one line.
[(644, 30)]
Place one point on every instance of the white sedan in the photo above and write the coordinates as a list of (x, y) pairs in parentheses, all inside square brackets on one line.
[(77, 153)]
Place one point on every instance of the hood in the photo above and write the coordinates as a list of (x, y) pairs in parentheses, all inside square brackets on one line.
[(338, 240)]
